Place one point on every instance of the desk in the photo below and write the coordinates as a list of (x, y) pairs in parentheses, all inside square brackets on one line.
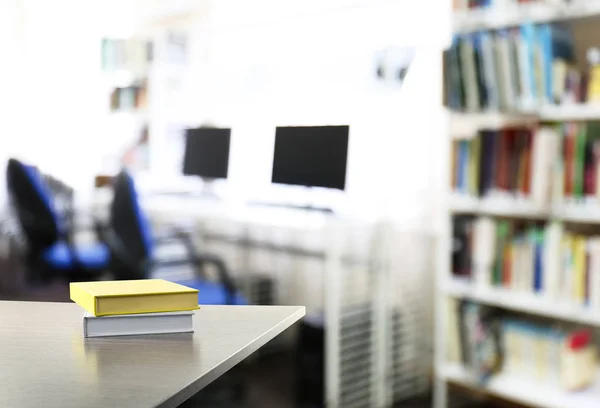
[(46, 362)]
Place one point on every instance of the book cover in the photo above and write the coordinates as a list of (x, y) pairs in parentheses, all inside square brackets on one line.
[(489, 69), (482, 84), (137, 324), (579, 161), (552, 260), (578, 294), (538, 273), (469, 74), (502, 232), (566, 278), (454, 81), (539, 65), (516, 73), (105, 298), (474, 169), (569, 132), (526, 44), (502, 161), (487, 162), (503, 72), (463, 166), (454, 164), (461, 245)]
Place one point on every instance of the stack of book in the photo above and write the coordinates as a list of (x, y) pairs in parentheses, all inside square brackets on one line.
[(516, 162), (146, 306)]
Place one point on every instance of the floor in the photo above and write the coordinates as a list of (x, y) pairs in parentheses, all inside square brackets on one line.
[(270, 384)]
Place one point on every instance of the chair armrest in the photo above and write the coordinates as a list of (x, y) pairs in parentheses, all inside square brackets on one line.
[(198, 258)]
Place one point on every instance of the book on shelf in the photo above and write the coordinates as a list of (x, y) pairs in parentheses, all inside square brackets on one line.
[(488, 342), (514, 69), (128, 98), (528, 258), (581, 161), (461, 5), (516, 162), (138, 324), (126, 54)]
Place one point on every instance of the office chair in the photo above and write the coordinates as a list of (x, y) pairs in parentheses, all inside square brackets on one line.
[(130, 238), (50, 250)]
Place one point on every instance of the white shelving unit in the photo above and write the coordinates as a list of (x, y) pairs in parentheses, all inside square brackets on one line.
[(526, 391), (578, 213), (498, 206), (466, 125), (521, 302)]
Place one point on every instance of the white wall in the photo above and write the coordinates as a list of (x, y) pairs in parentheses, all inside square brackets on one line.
[(256, 65), (10, 101), (61, 123), (315, 65)]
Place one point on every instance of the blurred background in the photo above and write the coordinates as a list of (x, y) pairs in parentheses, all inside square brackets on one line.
[(423, 176)]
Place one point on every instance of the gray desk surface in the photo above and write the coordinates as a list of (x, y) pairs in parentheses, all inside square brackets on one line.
[(46, 362)]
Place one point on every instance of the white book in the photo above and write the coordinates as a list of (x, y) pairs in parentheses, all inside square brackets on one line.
[(544, 157), (484, 249), (135, 324), (594, 270), (469, 74), (489, 69), (505, 74), (552, 261)]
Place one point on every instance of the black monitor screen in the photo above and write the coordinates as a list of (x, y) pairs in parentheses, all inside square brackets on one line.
[(207, 152), (312, 156)]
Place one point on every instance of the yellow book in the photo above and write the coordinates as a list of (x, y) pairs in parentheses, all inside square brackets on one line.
[(579, 270), (104, 298), (473, 174)]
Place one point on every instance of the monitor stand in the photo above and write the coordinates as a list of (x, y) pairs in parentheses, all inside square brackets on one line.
[(206, 193), (303, 207), (291, 206)]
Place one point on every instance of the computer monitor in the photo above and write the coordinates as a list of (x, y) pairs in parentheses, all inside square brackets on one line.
[(207, 153), (313, 156)]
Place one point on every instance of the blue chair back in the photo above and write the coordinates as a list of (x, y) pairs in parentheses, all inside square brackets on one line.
[(130, 224), (33, 204)]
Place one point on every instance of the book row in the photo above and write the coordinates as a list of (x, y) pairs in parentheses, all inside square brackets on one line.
[(477, 4), (126, 54), (518, 69), (541, 164), (128, 98), (529, 258), (488, 342), (510, 161)]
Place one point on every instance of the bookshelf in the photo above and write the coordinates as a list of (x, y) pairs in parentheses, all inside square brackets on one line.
[(538, 207), (498, 17)]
